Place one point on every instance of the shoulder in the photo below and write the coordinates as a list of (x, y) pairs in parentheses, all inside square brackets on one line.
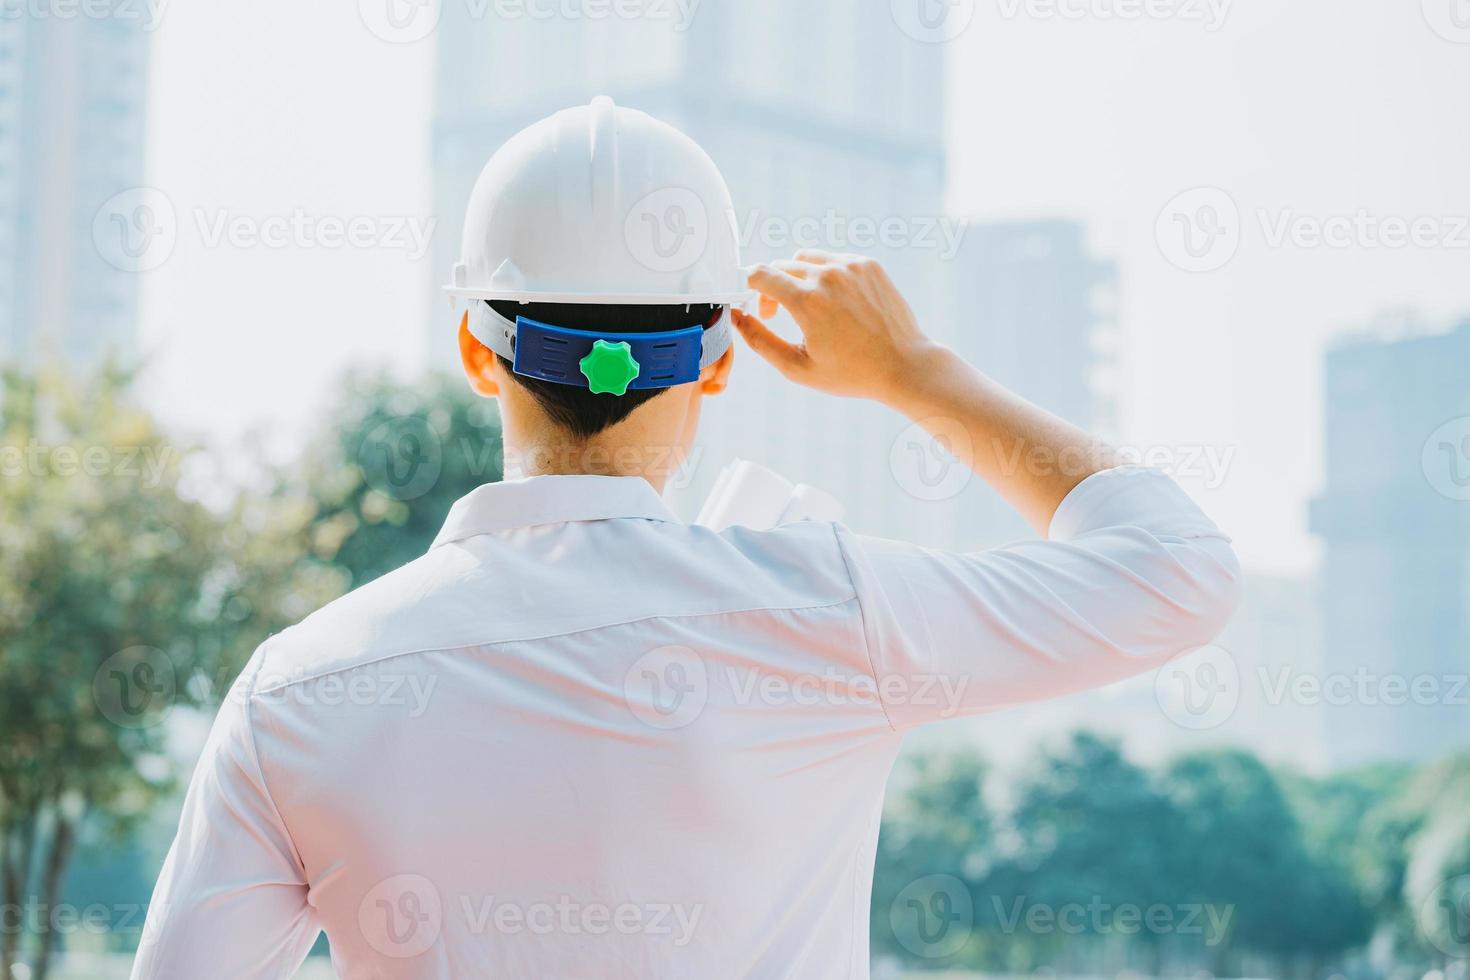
[(800, 563), (483, 592), (405, 611)]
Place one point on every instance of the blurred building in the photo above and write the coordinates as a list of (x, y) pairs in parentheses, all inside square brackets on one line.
[(840, 146), (1394, 515), (1031, 306), (72, 119)]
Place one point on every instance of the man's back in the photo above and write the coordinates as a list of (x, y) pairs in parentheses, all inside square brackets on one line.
[(622, 798), (581, 738)]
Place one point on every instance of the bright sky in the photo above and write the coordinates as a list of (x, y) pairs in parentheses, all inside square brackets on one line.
[(1310, 110)]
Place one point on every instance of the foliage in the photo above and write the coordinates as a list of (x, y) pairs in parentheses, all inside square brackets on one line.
[(121, 599), (1435, 860), (388, 463), (1213, 862)]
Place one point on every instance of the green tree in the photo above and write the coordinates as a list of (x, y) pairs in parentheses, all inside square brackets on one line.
[(388, 462), (1357, 851), (1434, 812), (122, 598), (1242, 847), (936, 831), (1089, 830)]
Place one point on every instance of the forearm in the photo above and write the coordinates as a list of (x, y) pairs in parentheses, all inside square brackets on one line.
[(1032, 458), (860, 338)]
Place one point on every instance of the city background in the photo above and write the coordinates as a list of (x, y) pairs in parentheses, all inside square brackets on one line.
[(1232, 238)]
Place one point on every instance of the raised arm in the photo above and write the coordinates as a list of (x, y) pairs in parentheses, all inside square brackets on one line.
[(1131, 573), (860, 339)]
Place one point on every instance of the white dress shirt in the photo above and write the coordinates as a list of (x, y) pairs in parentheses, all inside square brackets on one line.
[(580, 738)]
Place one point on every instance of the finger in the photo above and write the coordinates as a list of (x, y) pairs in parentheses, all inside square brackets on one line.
[(782, 355), (815, 256), (768, 308), (778, 284), (797, 268)]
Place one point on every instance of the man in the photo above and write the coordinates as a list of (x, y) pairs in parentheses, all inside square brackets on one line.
[(581, 738)]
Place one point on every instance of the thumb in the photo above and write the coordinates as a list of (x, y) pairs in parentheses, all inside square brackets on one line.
[(783, 356)]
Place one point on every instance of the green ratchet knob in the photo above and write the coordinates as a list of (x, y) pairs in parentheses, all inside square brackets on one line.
[(609, 368)]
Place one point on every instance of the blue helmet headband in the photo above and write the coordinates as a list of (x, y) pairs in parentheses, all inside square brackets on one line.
[(602, 362)]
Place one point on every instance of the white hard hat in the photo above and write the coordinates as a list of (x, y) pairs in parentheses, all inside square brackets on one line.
[(598, 204)]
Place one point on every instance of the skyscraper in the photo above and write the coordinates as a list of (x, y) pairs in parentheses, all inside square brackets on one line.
[(1394, 515), (72, 114), (1033, 308)]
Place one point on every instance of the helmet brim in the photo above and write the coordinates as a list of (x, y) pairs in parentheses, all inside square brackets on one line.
[(727, 298)]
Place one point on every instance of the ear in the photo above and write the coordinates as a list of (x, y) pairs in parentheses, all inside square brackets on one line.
[(712, 380), (478, 360)]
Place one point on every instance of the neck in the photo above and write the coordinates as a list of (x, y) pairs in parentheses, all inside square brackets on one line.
[(650, 443), (544, 454)]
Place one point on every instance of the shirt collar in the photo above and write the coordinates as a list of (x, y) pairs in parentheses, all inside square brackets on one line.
[(551, 500)]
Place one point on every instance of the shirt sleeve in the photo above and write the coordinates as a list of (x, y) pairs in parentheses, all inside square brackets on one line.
[(231, 899), (1131, 574)]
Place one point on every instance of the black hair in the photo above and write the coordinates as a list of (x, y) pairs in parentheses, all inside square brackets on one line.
[(578, 409)]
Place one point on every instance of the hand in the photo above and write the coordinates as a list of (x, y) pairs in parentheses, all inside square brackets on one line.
[(859, 337)]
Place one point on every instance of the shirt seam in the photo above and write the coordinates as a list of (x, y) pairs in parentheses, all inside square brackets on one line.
[(553, 636), (260, 763), (530, 522), (863, 626)]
